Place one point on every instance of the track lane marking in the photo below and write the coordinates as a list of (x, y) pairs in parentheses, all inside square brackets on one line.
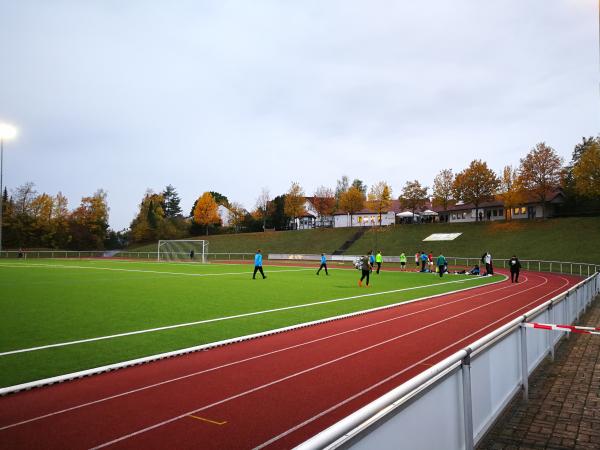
[(236, 316), (389, 378), (313, 368), (214, 422), (262, 355)]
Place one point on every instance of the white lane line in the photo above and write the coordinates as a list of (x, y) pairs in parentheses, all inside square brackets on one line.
[(159, 272), (251, 358), (395, 375), (220, 319), (302, 372)]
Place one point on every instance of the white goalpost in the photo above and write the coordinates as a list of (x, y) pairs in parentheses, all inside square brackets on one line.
[(183, 250)]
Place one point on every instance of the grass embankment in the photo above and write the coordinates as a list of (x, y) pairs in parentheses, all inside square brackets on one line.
[(303, 241), (568, 239)]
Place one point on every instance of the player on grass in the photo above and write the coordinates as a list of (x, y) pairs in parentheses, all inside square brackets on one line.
[(378, 260), (258, 265), (365, 267), (441, 263), (323, 264)]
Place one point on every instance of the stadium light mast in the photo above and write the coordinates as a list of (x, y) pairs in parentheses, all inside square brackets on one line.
[(7, 132)]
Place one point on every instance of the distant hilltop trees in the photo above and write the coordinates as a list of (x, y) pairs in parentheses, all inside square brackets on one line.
[(45, 221)]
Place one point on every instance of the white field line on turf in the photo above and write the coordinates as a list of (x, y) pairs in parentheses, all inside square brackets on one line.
[(115, 269), (220, 319), (313, 368), (395, 375), (261, 355)]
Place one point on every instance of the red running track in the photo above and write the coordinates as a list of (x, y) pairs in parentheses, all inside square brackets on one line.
[(272, 392)]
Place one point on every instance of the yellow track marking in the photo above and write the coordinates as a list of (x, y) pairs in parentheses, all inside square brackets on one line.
[(208, 420)]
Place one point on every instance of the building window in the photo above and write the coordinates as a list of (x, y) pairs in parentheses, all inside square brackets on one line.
[(500, 212), (516, 210), (495, 212), (464, 215), (523, 210), (453, 216)]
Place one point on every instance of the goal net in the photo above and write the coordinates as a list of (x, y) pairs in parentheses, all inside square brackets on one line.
[(183, 250)]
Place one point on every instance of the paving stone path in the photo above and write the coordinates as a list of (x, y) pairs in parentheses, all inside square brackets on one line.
[(563, 411)]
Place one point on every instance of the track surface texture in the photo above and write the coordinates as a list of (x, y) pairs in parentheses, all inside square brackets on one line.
[(272, 392)]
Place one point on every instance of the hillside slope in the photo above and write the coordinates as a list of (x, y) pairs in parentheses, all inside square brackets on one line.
[(566, 239)]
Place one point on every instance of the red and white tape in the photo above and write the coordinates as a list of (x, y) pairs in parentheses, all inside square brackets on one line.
[(568, 328)]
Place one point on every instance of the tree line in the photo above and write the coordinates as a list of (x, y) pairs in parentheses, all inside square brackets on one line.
[(41, 220)]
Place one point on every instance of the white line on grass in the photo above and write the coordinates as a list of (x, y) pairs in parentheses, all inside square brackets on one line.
[(313, 368), (113, 269), (237, 316), (255, 357)]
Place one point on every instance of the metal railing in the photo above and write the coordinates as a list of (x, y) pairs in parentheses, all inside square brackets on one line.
[(74, 254), (461, 396)]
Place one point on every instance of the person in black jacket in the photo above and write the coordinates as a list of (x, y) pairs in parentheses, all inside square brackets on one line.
[(515, 268)]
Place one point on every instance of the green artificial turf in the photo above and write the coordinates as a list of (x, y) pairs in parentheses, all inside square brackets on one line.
[(53, 301)]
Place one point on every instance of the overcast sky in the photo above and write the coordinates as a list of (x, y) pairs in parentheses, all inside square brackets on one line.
[(233, 96)]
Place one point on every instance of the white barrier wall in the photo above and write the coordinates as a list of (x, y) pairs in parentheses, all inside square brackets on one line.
[(454, 403)]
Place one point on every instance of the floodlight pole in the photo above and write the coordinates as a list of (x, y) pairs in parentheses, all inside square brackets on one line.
[(1, 190)]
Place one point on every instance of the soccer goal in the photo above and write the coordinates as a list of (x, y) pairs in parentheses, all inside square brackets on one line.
[(183, 250)]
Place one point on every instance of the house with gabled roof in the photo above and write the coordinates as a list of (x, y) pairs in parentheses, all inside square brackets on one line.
[(530, 208)]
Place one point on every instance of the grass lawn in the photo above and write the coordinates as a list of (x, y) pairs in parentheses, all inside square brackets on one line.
[(55, 301)]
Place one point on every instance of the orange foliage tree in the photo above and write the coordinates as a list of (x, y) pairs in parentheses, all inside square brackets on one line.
[(206, 211), (380, 198), (476, 184), (351, 201), (540, 171)]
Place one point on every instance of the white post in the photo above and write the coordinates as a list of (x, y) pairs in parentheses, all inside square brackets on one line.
[(524, 370), (467, 401)]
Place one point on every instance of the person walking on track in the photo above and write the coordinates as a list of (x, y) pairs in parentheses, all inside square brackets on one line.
[(515, 268)]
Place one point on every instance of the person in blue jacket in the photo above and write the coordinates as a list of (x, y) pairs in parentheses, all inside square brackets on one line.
[(371, 260), (323, 264), (258, 265)]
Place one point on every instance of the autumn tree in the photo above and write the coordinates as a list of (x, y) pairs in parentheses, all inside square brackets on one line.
[(586, 172), (342, 185), (89, 222), (540, 172), (442, 188), (324, 201), (413, 196), (42, 229), (360, 185), (236, 215), (206, 211), (263, 207), (476, 184), (380, 198), (60, 216), (511, 190), (149, 221), (294, 201), (220, 199), (352, 201)]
